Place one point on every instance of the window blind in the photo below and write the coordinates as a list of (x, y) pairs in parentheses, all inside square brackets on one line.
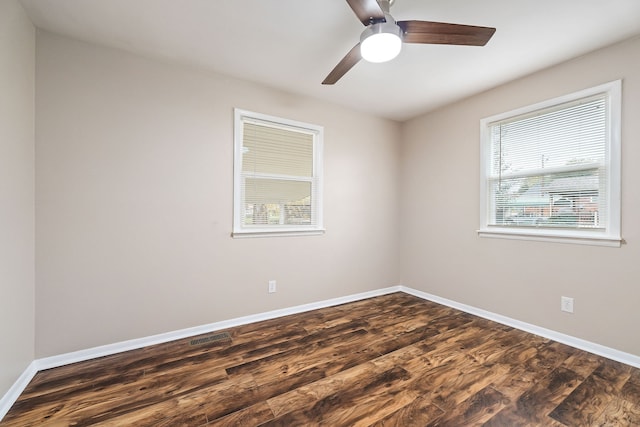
[(273, 150), (548, 167)]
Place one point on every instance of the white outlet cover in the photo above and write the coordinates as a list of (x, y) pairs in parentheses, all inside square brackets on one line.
[(566, 304)]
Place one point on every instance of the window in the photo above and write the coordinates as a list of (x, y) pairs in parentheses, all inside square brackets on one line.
[(277, 176), (551, 171)]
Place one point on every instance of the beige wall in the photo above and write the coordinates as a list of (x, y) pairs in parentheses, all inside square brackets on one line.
[(442, 254), (17, 76), (134, 201)]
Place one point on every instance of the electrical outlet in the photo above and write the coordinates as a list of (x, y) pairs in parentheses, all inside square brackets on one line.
[(566, 304), (272, 286)]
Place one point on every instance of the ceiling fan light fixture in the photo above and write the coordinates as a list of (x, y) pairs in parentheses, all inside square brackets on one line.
[(381, 42)]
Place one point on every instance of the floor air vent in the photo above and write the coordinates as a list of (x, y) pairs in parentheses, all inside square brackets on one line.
[(224, 336)]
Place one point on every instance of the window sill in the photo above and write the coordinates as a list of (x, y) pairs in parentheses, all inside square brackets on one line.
[(275, 233), (592, 239)]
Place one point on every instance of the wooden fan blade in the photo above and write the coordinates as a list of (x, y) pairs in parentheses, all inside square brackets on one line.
[(343, 66), (366, 10), (442, 33)]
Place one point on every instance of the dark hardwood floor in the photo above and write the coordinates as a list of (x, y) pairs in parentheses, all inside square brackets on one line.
[(394, 360)]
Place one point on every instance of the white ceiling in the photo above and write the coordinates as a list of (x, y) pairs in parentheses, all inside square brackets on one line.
[(293, 44)]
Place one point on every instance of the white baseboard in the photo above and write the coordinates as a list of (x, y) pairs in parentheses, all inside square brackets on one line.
[(78, 356), (600, 350), (16, 389)]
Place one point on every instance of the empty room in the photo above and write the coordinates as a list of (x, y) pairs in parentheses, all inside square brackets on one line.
[(319, 212)]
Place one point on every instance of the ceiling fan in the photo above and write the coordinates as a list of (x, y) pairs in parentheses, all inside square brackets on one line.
[(382, 39)]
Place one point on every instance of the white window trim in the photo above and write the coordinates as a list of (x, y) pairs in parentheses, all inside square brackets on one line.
[(275, 231), (609, 237)]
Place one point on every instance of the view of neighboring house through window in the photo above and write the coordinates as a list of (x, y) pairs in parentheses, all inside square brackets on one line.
[(553, 169), (277, 176)]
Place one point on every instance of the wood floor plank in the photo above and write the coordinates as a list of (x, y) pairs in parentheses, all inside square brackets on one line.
[(308, 395), (253, 415), (631, 391), (463, 385), (493, 348), (535, 403), (116, 399), (374, 402), (585, 404), (620, 413), (282, 363), (392, 360), (420, 412), (148, 388), (479, 408), (582, 363), (588, 401), (353, 402), (511, 416), (517, 380), (303, 396), (191, 409)]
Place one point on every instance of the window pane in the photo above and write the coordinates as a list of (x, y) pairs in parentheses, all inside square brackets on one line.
[(569, 199), (547, 167), (573, 135), (277, 202)]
